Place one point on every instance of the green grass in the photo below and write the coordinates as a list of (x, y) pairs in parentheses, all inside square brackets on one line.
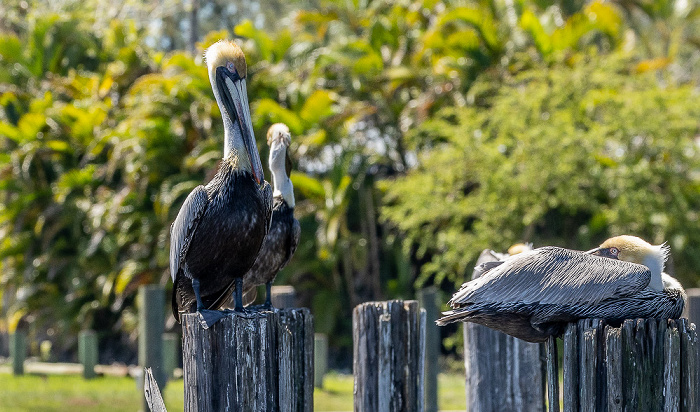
[(336, 394), (73, 393), (66, 393)]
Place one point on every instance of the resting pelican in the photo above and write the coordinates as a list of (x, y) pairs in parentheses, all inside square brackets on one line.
[(532, 295), (219, 230), (282, 239)]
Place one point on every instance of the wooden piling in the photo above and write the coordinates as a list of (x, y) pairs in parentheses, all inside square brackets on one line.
[(151, 392), (503, 373), (283, 297), (249, 362), (642, 365), (18, 351), (389, 353), (320, 358), (692, 306), (428, 301), (171, 354), (87, 352), (151, 304), (552, 370)]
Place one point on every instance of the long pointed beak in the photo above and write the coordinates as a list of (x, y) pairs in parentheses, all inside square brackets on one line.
[(234, 95), (595, 251)]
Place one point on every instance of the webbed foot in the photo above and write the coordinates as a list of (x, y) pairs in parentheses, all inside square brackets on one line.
[(209, 317)]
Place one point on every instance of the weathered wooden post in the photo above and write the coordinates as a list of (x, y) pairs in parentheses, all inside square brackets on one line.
[(320, 358), (18, 351), (284, 297), (151, 303), (503, 373), (428, 301), (692, 306), (261, 361), (389, 356), (151, 392), (643, 365), (171, 354), (87, 352)]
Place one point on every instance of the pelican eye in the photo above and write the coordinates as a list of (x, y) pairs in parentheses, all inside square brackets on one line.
[(614, 251), (231, 67)]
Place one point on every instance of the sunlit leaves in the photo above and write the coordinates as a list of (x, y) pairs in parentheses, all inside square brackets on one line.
[(560, 156)]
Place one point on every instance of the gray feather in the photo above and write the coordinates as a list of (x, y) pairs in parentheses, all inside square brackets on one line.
[(556, 276)]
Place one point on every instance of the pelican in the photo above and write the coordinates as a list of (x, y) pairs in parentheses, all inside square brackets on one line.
[(532, 295), (282, 239), (220, 227)]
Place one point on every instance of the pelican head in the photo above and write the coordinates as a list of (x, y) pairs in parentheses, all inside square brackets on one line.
[(519, 248), (635, 250), (227, 75), (279, 139)]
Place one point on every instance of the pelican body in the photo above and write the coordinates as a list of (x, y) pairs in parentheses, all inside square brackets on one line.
[(534, 294), (221, 226), (282, 239)]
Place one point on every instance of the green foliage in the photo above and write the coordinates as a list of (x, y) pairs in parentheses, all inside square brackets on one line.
[(423, 131), (565, 156)]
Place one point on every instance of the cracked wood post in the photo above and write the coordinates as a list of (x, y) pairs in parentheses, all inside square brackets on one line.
[(389, 356), (252, 362), (642, 365)]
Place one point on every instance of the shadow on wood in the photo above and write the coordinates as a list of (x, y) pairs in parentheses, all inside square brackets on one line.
[(256, 362), (644, 365)]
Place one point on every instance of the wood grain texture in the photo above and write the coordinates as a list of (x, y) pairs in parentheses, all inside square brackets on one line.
[(613, 365), (552, 375), (154, 399), (428, 300), (254, 362), (570, 365), (672, 368), (689, 366), (388, 356), (641, 365)]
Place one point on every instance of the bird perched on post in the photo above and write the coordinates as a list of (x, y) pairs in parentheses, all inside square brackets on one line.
[(532, 295), (221, 226), (282, 239)]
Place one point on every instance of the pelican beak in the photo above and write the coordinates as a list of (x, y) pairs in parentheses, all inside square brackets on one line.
[(233, 92), (288, 165), (603, 252)]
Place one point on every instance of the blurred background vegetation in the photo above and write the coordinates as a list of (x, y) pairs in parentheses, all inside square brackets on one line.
[(423, 132)]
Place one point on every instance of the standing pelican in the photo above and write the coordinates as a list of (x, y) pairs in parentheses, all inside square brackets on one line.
[(282, 239), (532, 295), (219, 230)]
